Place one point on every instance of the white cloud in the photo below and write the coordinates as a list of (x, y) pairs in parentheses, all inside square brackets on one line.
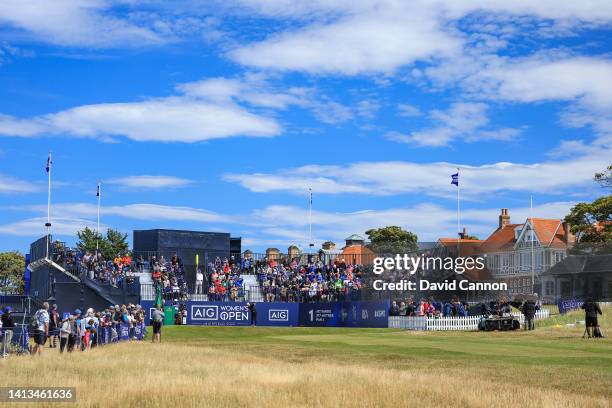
[(349, 38), (430, 221), (389, 178), (133, 211), (78, 23), (545, 78), (35, 227), (150, 182), (212, 108), (10, 185), (284, 225), (183, 118), (406, 110), (582, 82), (462, 120), (376, 39)]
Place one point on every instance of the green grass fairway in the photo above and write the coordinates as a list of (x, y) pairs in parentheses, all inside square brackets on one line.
[(331, 367), (554, 357)]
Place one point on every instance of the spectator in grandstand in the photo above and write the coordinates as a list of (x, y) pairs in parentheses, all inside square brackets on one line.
[(157, 317), (394, 310), (402, 309), (140, 263), (41, 323)]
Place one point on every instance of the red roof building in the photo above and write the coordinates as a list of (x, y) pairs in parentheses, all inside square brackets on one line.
[(509, 250)]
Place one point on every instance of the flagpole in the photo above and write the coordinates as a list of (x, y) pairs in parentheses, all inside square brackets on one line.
[(48, 224), (310, 220), (532, 253), (458, 215), (98, 227)]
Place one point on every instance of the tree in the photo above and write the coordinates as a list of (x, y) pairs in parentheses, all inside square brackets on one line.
[(12, 266), (471, 237), (592, 222), (392, 239), (88, 239), (605, 178), (111, 245), (117, 242)]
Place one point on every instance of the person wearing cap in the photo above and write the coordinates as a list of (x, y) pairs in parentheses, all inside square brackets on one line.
[(7, 325), (41, 318), (64, 331), (157, 321)]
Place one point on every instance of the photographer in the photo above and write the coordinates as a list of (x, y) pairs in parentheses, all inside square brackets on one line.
[(591, 310), (529, 310), (253, 310)]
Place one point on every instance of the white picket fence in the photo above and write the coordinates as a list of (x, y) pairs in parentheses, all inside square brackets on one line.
[(448, 323)]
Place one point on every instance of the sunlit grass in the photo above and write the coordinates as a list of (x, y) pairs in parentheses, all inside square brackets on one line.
[(318, 367)]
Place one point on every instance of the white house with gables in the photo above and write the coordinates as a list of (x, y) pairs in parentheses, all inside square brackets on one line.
[(508, 250)]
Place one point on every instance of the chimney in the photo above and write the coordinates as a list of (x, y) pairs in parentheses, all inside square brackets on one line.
[(464, 233), (504, 218), (567, 232)]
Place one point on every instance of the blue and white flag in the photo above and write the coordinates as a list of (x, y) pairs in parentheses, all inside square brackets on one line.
[(49, 162), (455, 179), (310, 196)]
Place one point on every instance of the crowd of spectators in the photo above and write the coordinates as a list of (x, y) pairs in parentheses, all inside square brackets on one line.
[(429, 308), (112, 271), (77, 330), (169, 277), (225, 280), (315, 281)]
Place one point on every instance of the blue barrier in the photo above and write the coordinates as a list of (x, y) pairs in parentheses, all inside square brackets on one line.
[(148, 307), (566, 305), (218, 313), (344, 314), (277, 314), (332, 314)]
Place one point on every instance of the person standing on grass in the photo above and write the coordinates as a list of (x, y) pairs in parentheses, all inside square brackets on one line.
[(253, 310), (64, 332), (42, 328), (591, 310), (529, 311), (54, 323), (8, 325), (157, 317)]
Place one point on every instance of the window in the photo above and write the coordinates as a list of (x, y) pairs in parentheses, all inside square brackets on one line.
[(550, 288)]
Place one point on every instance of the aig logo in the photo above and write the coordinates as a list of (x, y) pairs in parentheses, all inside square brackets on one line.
[(278, 315), (199, 312)]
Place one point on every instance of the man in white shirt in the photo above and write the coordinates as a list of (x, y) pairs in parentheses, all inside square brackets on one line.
[(199, 282), (42, 331)]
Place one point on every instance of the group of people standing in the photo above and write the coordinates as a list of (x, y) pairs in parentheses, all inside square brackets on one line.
[(81, 330)]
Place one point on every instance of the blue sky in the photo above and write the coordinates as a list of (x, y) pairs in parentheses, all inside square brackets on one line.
[(220, 115)]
